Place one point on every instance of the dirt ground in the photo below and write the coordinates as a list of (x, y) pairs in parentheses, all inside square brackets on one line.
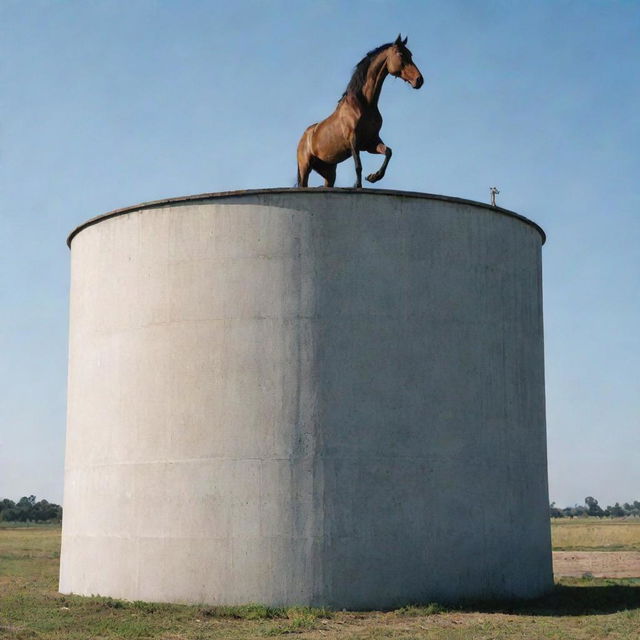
[(599, 564)]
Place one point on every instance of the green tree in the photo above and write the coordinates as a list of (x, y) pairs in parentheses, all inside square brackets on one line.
[(27, 509), (555, 512), (616, 511), (594, 509), (7, 508)]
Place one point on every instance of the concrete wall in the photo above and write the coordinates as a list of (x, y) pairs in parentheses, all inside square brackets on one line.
[(306, 397)]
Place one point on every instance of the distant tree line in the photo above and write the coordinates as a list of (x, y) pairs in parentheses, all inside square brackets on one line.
[(592, 508), (28, 510)]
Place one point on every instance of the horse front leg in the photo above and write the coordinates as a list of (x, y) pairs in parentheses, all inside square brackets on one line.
[(356, 158), (381, 148)]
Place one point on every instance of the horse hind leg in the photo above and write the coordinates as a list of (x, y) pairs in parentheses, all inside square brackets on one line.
[(327, 171), (304, 169), (304, 166), (304, 157)]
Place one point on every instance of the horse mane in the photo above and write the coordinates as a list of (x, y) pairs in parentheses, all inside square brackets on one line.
[(359, 76)]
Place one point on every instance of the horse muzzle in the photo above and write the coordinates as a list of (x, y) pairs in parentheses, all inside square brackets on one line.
[(418, 82)]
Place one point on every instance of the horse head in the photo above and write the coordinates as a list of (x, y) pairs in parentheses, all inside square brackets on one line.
[(400, 63)]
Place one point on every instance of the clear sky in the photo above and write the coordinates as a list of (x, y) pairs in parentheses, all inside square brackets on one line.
[(109, 103)]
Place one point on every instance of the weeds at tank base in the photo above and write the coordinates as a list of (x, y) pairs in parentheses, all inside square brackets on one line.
[(413, 610), (31, 609)]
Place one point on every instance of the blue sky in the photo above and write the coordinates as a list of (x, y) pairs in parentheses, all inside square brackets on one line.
[(106, 104)]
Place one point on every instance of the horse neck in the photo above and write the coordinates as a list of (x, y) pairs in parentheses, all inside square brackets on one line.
[(376, 74)]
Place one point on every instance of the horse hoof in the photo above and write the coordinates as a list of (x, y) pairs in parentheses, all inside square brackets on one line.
[(372, 177)]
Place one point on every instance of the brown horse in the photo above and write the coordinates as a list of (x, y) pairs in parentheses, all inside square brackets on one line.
[(355, 124)]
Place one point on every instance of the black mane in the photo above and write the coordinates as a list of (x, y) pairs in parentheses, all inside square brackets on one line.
[(360, 72)]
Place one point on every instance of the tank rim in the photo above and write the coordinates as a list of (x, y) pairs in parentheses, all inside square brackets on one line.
[(154, 204)]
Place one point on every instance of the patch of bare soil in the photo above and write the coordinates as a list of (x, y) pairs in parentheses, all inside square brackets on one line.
[(599, 564)]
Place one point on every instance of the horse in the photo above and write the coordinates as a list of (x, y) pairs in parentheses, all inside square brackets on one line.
[(355, 124)]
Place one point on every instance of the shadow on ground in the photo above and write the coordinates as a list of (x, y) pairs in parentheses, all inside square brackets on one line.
[(571, 600)]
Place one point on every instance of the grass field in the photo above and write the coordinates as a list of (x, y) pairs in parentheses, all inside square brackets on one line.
[(593, 534), (31, 608)]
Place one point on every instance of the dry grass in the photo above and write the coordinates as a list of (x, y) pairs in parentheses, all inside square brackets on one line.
[(594, 534), (31, 609)]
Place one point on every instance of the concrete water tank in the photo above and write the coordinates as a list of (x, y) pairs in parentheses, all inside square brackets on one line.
[(299, 396)]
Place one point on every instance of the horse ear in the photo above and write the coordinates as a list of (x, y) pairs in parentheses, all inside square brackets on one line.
[(405, 40), (398, 39)]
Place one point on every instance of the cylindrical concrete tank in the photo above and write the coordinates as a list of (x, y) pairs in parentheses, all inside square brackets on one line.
[(296, 396)]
